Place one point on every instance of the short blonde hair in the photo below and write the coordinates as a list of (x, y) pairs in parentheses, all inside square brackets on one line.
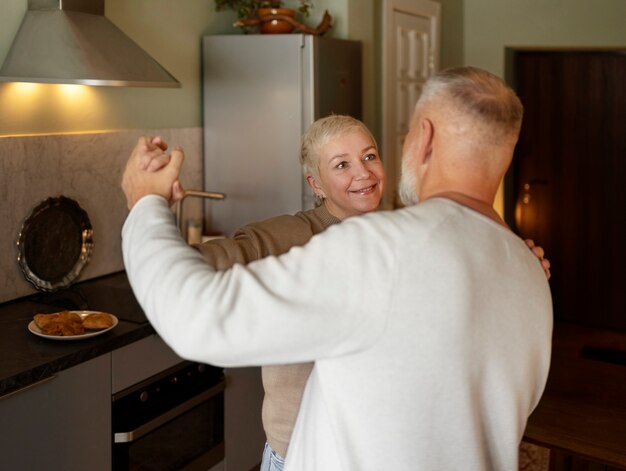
[(323, 131)]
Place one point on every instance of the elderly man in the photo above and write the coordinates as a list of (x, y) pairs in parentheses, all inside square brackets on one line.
[(429, 326)]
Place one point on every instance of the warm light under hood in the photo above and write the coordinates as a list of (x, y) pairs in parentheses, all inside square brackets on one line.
[(71, 41)]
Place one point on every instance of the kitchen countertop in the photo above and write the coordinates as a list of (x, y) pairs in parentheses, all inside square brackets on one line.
[(28, 359), (583, 409)]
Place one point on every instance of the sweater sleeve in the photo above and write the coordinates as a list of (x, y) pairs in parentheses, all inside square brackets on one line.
[(222, 254), (290, 309), (254, 241)]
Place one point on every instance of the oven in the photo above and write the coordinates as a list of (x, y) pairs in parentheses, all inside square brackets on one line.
[(171, 421)]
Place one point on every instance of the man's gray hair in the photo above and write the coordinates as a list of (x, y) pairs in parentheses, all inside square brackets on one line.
[(477, 93)]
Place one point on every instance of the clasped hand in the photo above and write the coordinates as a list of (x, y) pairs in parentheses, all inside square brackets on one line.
[(150, 170)]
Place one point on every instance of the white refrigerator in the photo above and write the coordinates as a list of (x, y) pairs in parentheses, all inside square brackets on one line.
[(260, 93)]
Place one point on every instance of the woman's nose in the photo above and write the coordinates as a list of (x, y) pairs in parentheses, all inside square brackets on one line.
[(360, 170)]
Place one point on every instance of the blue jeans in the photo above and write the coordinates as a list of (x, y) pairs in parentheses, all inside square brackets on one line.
[(272, 461)]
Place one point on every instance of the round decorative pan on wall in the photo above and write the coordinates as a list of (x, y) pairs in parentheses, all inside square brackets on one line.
[(55, 243)]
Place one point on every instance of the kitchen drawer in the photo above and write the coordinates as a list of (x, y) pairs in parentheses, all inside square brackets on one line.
[(140, 360), (61, 423)]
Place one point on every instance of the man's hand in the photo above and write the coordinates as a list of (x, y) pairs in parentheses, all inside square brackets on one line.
[(153, 159), (152, 163), (151, 171)]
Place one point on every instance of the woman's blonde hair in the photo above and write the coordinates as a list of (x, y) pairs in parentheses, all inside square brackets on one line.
[(320, 133)]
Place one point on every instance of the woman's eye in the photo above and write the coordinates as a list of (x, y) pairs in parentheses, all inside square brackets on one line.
[(371, 157), (341, 165)]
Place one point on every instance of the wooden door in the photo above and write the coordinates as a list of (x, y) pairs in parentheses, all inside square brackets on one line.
[(410, 53), (566, 187)]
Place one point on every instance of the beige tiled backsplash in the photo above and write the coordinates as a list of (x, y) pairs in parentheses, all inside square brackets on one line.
[(87, 168)]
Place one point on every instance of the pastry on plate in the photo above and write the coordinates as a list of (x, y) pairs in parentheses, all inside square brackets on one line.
[(97, 321), (62, 323)]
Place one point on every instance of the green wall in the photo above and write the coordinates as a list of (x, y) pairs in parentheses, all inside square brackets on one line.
[(473, 32)]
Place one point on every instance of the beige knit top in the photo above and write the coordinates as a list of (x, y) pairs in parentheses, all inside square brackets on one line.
[(283, 384)]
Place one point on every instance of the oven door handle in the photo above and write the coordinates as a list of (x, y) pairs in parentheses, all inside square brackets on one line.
[(131, 436)]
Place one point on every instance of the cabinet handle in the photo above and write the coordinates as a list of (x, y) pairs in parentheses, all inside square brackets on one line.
[(131, 436), (26, 388)]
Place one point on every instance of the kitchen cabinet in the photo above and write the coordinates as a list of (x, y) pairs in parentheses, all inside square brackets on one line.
[(61, 423), (140, 360)]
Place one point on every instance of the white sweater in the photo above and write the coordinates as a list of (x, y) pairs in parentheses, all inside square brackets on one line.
[(430, 328)]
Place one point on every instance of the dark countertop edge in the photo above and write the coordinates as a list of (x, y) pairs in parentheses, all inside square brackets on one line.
[(25, 379), (597, 454), (600, 445)]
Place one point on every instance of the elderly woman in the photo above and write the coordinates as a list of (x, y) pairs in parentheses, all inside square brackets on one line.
[(341, 164)]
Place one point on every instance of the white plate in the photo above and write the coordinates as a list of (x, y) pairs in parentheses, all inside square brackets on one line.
[(88, 333)]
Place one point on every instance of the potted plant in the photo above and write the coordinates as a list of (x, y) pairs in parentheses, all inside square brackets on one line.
[(248, 8), (271, 16)]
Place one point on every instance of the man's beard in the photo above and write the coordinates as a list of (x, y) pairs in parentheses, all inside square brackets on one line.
[(408, 189)]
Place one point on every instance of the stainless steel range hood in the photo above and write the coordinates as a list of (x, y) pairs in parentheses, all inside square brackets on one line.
[(71, 41)]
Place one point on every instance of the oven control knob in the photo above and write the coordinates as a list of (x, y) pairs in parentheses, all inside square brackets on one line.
[(143, 397)]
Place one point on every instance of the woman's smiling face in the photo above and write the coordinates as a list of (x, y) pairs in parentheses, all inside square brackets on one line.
[(350, 174)]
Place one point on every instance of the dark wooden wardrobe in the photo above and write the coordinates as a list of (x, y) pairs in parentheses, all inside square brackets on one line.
[(566, 188)]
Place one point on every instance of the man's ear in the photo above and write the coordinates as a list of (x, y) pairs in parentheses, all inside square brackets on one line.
[(312, 182), (425, 149)]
